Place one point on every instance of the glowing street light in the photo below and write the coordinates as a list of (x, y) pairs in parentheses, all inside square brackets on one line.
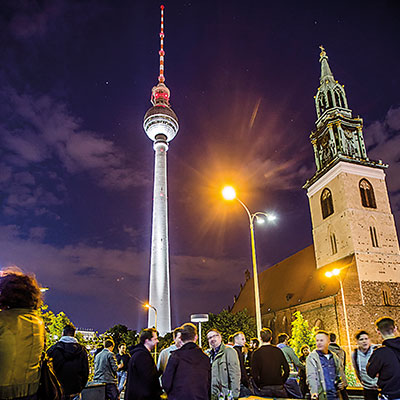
[(229, 193), (336, 273)]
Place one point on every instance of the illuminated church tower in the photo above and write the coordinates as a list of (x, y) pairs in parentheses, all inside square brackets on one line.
[(161, 126), (349, 203)]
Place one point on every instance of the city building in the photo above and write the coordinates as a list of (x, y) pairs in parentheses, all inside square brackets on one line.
[(161, 126), (353, 232)]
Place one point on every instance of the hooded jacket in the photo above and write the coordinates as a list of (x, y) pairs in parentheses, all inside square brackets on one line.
[(21, 346), (142, 382), (70, 362), (385, 362), (188, 374)]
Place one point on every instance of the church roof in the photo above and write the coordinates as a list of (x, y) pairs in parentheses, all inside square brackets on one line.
[(291, 282)]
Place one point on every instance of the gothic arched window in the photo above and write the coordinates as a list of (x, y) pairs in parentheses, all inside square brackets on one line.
[(374, 236), (337, 99), (333, 243), (326, 203), (330, 101), (367, 194)]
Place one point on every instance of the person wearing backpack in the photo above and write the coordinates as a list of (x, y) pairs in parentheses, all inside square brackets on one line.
[(360, 358), (70, 363)]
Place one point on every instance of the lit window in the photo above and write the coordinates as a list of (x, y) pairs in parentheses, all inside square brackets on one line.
[(326, 203), (367, 194)]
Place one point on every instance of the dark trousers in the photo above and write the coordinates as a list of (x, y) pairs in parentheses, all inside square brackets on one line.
[(344, 394), (371, 394), (272, 391), (112, 392)]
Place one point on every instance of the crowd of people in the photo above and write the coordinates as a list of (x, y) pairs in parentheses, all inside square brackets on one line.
[(184, 371)]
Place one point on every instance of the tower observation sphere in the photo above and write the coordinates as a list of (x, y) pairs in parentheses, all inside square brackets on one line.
[(161, 126)]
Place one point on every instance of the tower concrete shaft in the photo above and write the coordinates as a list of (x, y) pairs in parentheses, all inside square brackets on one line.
[(161, 126), (159, 265)]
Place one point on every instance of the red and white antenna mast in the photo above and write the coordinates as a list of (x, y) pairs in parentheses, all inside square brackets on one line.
[(161, 77)]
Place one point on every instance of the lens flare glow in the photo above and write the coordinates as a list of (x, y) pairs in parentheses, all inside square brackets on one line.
[(228, 193)]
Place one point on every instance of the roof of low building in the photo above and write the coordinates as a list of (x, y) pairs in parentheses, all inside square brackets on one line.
[(293, 281)]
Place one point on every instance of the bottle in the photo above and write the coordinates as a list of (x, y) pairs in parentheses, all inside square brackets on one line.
[(230, 395), (221, 396)]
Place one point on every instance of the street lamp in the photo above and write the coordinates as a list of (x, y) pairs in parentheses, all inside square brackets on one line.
[(229, 193), (336, 273), (199, 318), (148, 306)]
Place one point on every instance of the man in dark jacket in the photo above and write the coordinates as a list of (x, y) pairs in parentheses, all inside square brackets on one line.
[(188, 372), (385, 361), (239, 340), (142, 382), (269, 368), (70, 362)]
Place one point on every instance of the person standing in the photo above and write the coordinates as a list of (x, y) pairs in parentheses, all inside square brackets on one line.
[(384, 362), (239, 341), (70, 362), (336, 349), (305, 351), (165, 353), (142, 382), (324, 370), (225, 368), (188, 372), (22, 335), (269, 368), (360, 358), (122, 362), (105, 370)]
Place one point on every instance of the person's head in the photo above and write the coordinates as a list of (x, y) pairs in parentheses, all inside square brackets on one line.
[(176, 334), (230, 339), (188, 333), (69, 330), (122, 348), (109, 344), (266, 335), (322, 341), (239, 339), (363, 341), (254, 343), (149, 338), (283, 338), (386, 327), (332, 337), (305, 350), (214, 338), (18, 290)]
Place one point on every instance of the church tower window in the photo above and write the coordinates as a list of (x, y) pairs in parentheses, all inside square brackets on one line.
[(367, 194), (330, 101), (333, 244), (374, 236), (326, 203)]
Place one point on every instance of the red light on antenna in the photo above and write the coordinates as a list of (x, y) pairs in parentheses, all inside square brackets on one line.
[(162, 7)]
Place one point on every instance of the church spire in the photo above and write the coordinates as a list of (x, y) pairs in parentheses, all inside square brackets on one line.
[(330, 95), (326, 72)]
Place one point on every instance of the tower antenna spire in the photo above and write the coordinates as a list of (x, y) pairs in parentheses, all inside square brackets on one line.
[(161, 77)]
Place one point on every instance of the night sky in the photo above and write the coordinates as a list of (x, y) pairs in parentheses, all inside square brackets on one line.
[(76, 167)]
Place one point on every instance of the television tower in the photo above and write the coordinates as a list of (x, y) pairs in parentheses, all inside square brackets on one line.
[(161, 126)]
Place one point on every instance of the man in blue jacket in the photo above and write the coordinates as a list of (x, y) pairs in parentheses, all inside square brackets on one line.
[(188, 372)]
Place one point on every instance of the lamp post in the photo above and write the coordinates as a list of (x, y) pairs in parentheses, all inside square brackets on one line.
[(336, 273), (229, 193), (199, 318), (148, 306)]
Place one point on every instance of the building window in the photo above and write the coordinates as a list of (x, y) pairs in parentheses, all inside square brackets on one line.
[(326, 203), (374, 236), (367, 194), (333, 244), (330, 101), (386, 297)]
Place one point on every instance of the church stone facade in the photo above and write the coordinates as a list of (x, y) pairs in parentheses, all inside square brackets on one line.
[(353, 231)]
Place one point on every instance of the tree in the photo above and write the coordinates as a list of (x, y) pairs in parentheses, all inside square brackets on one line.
[(301, 333), (228, 324), (54, 324), (121, 334)]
